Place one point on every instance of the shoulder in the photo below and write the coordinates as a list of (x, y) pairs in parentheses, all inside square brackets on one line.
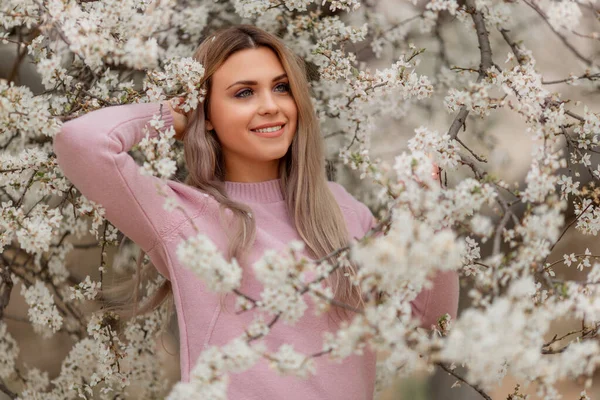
[(355, 212)]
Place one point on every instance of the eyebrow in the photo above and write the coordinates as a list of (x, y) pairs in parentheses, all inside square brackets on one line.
[(284, 75)]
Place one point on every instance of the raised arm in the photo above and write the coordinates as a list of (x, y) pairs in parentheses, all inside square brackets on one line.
[(430, 304), (442, 298), (92, 153)]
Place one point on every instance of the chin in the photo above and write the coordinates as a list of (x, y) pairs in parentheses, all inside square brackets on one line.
[(272, 154)]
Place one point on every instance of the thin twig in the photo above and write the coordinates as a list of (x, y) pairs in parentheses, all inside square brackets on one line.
[(460, 378), (470, 151), (566, 229), (587, 75), (562, 38)]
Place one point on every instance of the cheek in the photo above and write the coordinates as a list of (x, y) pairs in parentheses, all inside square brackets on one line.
[(232, 126), (291, 110), (234, 115)]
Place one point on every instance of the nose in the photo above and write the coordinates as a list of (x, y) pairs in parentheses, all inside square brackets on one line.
[(268, 104)]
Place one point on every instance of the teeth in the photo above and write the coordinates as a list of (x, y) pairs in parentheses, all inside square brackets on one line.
[(271, 129)]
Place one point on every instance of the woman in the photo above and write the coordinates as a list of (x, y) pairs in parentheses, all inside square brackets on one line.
[(254, 147)]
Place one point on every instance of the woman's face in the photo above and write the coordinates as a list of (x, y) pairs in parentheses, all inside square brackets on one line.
[(250, 91)]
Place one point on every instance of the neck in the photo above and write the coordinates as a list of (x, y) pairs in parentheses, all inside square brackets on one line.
[(252, 172)]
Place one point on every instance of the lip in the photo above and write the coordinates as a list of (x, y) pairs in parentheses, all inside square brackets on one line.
[(270, 134), (269, 125)]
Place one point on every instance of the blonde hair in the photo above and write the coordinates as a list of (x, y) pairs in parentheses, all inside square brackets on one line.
[(314, 211)]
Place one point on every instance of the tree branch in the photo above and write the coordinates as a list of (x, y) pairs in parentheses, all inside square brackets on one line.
[(7, 391), (460, 378), (485, 63)]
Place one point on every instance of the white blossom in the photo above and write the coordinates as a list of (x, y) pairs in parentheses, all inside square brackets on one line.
[(287, 361), (87, 289), (42, 311), (9, 351), (562, 14), (200, 255), (284, 300)]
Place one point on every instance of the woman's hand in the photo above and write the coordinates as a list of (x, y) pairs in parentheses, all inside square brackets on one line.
[(179, 118), (436, 172)]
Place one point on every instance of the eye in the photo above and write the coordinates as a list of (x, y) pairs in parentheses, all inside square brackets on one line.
[(240, 93), (284, 86)]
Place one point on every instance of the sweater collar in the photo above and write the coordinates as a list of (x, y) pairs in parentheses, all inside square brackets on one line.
[(255, 192)]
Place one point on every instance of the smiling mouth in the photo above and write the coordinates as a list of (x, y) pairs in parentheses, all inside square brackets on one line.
[(269, 129), (274, 131)]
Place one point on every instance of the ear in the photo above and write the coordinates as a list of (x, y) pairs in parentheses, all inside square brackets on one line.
[(208, 125)]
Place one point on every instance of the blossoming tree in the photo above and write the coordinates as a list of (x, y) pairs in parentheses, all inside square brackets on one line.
[(92, 54)]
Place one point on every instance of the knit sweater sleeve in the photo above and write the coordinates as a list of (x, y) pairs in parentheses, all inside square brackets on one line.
[(92, 153)]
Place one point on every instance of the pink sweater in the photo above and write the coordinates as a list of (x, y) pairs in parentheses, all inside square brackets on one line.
[(92, 152)]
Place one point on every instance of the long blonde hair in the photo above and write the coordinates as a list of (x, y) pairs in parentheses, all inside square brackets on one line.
[(313, 209)]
